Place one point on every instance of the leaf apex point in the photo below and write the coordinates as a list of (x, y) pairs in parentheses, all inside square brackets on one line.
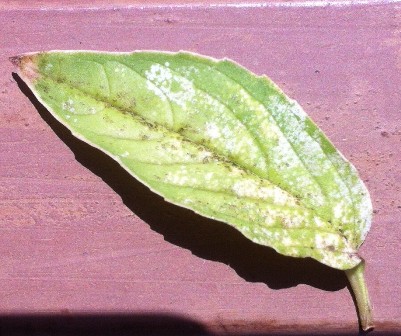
[(16, 60), (27, 65)]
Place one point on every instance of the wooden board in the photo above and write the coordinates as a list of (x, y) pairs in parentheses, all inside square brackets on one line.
[(85, 248)]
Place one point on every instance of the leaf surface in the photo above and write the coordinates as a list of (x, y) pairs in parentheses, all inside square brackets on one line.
[(211, 136)]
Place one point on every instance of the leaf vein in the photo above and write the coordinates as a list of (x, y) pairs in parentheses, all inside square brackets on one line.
[(106, 76)]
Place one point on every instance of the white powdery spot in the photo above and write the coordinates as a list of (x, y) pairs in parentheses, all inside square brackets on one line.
[(230, 145), (304, 182), (125, 154), (176, 144), (319, 241), (245, 229), (92, 110), (209, 176), (338, 210), (284, 156), (278, 235), (158, 73), (68, 106), (212, 130), (153, 88), (178, 90), (250, 188), (187, 201), (295, 139), (340, 162), (287, 241), (188, 70), (245, 187), (205, 101), (173, 151), (205, 155), (293, 221), (245, 146), (276, 105), (261, 164), (327, 240), (120, 69), (316, 135), (298, 110), (179, 178), (343, 260), (308, 149), (365, 213), (267, 233), (48, 66), (269, 220), (332, 240), (362, 202), (269, 130), (318, 222), (246, 99), (227, 132), (278, 195), (317, 199)]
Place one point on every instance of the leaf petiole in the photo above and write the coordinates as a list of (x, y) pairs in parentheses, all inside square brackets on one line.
[(357, 280)]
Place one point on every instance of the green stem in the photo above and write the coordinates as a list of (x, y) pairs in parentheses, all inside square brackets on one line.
[(357, 280)]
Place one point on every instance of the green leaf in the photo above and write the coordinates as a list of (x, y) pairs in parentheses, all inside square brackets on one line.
[(211, 136)]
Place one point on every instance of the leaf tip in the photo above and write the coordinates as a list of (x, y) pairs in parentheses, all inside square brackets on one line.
[(16, 60), (26, 65)]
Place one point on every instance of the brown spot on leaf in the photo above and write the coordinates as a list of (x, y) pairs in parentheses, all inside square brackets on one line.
[(331, 248), (27, 66)]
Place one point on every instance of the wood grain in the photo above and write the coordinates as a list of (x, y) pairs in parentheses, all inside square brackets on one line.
[(83, 242)]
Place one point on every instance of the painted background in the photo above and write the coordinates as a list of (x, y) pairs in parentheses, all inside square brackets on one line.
[(84, 247)]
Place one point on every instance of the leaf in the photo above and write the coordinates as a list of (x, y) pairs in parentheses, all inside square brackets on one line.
[(210, 136)]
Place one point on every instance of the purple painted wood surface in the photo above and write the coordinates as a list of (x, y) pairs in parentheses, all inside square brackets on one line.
[(81, 240)]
